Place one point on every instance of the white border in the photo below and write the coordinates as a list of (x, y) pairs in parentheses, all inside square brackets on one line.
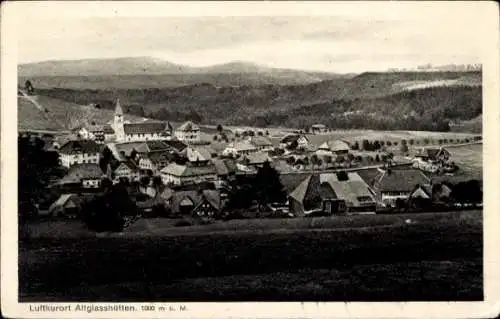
[(14, 12)]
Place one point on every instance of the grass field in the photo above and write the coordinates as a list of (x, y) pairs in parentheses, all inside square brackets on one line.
[(468, 157), (358, 258)]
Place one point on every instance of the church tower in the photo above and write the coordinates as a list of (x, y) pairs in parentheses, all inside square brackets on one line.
[(118, 125)]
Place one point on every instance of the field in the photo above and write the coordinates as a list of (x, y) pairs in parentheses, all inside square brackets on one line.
[(469, 158), (434, 256)]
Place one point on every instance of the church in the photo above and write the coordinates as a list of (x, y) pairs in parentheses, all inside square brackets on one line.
[(138, 132)]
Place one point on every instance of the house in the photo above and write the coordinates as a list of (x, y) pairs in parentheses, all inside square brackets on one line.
[(188, 132), (97, 133), (86, 175), (188, 174), (200, 203), (200, 155), (294, 141), (79, 152), (391, 185), (318, 129), (144, 131), (350, 188), (334, 147), (256, 159), (66, 205), (261, 143), (154, 162), (109, 133), (429, 194), (433, 155), (239, 148), (312, 196), (126, 169)]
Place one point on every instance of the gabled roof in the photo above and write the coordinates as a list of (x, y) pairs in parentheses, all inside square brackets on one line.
[(257, 158), (260, 141), (188, 170), (179, 146), (127, 164), (354, 191), (145, 128), (335, 146), (199, 153), (78, 172), (242, 146), (194, 196), (432, 152), (293, 138), (224, 166), (400, 180), (188, 126), (80, 146), (61, 201)]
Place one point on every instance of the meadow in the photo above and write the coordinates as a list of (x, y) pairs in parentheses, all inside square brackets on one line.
[(433, 256)]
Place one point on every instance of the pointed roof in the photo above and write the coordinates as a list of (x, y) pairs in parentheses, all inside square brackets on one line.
[(118, 108)]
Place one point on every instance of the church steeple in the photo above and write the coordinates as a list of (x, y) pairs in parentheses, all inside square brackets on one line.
[(118, 108), (118, 125)]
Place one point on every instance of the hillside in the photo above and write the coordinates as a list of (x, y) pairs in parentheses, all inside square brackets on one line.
[(147, 72), (45, 113), (370, 100)]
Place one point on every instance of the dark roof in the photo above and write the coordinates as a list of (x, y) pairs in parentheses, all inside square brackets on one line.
[(188, 170), (290, 138), (145, 127), (292, 180), (195, 196), (78, 172), (80, 146), (403, 180), (176, 144)]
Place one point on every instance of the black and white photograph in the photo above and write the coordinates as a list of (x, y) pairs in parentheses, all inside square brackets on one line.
[(329, 153)]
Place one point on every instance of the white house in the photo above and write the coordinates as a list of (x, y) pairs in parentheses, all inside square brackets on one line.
[(261, 143), (393, 184), (126, 170), (188, 132), (333, 147), (239, 148), (187, 174), (294, 141), (144, 131), (79, 152), (318, 129)]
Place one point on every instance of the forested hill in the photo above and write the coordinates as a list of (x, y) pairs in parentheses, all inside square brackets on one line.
[(408, 100)]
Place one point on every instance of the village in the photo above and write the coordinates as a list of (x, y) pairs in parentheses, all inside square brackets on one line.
[(170, 171)]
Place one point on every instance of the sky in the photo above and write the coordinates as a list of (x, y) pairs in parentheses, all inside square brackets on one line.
[(349, 39)]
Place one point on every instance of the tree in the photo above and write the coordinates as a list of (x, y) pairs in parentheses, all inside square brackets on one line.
[(426, 141), (290, 160), (157, 183), (215, 137), (367, 145), (340, 159), (389, 143), (37, 167), (355, 146), (376, 145), (403, 148), (306, 161), (269, 188), (106, 212), (145, 180), (219, 128), (267, 132), (412, 141), (259, 133), (30, 90), (327, 159), (251, 133), (377, 158), (314, 160)]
